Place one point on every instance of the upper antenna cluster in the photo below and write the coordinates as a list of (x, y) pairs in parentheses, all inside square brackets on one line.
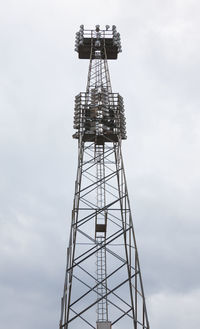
[(106, 42)]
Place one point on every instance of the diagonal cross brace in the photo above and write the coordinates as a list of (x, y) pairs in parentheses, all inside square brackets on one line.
[(103, 297)]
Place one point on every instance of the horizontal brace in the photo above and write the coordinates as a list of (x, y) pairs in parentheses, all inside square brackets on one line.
[(85, 188), (102, 180), (109, 301), (103, 246), (97, 243), (103, 297), (100, 244), (94, 158), (122, 300), (107, 249), (115, 209), (108, 276), (85, 219)]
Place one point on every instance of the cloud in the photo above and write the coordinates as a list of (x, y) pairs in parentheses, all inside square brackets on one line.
[(158, 76), (179, 307)]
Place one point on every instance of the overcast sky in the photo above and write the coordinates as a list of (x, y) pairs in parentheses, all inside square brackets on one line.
[(158, 74)]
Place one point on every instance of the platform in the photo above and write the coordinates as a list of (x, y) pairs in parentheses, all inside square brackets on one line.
[(84, 51)]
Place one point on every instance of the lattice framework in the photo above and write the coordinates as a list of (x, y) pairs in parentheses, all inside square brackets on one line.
[(103, 283)]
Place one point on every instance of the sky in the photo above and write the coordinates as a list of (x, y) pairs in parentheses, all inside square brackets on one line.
[(158, 74)]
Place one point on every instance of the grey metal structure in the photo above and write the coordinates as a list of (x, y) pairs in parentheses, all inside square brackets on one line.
[(103, 284)]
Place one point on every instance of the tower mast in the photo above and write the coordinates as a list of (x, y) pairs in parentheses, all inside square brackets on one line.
[(103, 283)]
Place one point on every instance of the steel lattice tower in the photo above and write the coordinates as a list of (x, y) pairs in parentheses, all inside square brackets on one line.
[(103, 284)]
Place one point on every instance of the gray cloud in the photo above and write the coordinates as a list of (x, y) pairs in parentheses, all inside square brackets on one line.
[(158, 76)]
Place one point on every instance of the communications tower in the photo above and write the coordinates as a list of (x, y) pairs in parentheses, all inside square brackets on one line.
[(103, 285)]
